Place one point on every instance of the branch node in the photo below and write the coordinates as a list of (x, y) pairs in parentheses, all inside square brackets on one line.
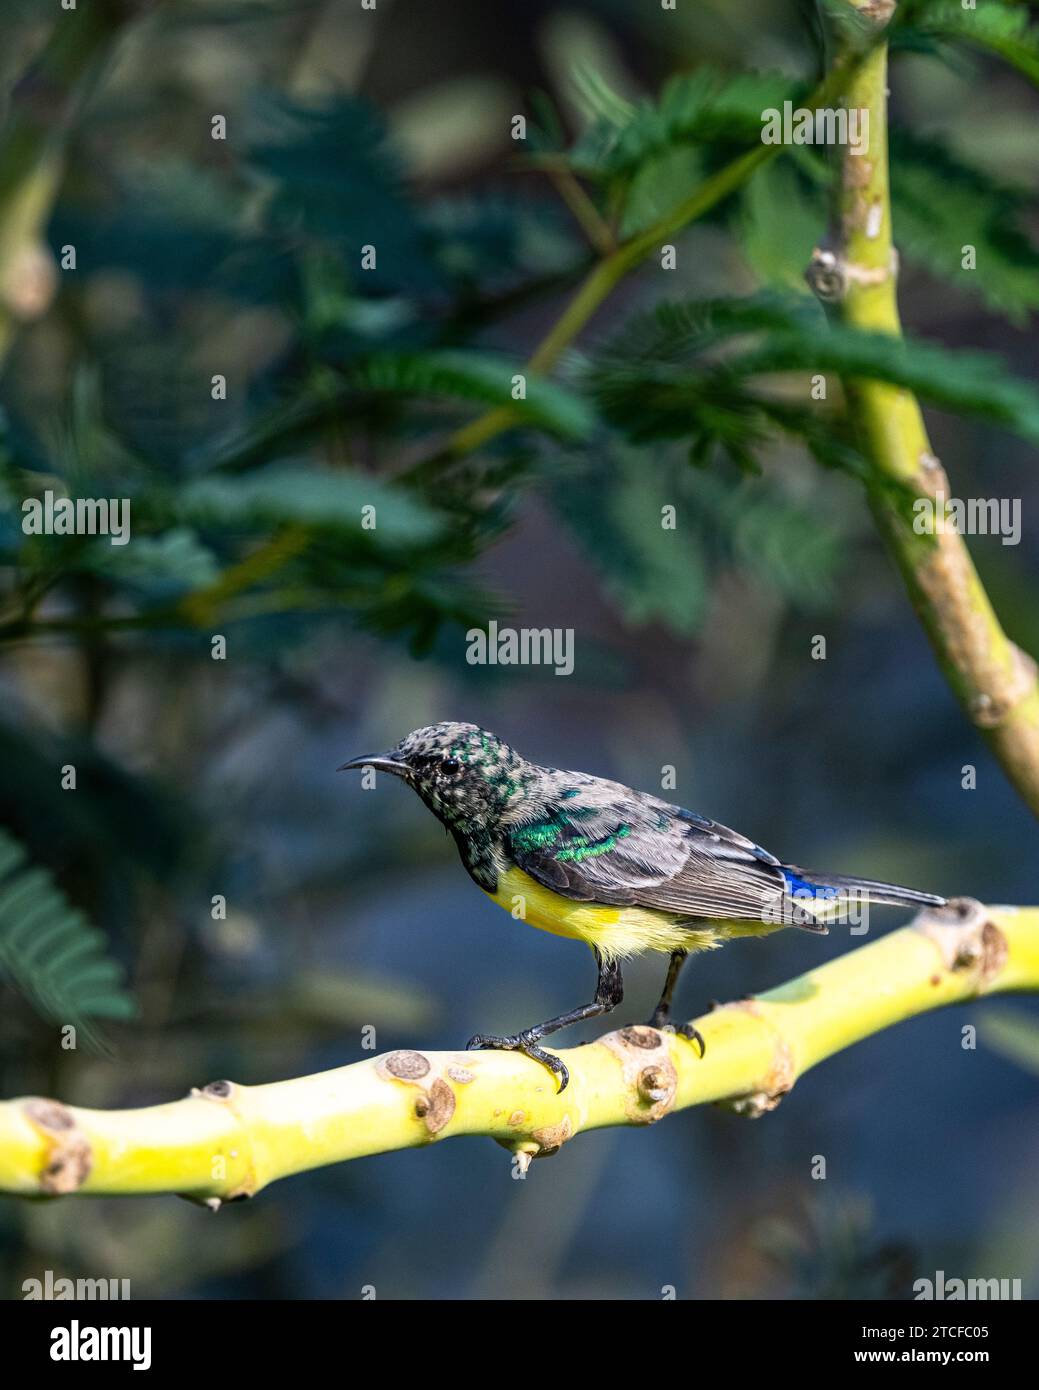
[(405, 1065), (435, 1103), (826, 277), (989, 711), (29, 283), (830, 275), (653, 1084), (68, 1156), (753, 1106), (650, 1078), (544, 1142), (436, 1106), (780, 1078), (551, 1138), (966, 938), (879, 11)]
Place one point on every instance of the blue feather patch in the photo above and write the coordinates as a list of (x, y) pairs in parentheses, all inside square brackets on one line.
[(801, 888)]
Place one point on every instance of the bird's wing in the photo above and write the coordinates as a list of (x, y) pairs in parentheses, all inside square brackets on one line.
[(604, 843)]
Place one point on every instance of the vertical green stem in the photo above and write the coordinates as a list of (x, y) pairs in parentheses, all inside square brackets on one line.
[(43, 106), (856, 275)]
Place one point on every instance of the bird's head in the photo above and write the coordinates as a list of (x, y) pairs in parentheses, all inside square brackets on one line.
[(464, 774)]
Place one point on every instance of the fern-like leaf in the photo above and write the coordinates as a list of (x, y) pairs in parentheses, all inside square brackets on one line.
[(699, 370), (326, 499), (995, 26), (475, 376), (941, 203), (49, 951), (693, 109)]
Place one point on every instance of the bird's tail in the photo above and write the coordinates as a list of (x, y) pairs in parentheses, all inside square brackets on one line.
[(823, 886)]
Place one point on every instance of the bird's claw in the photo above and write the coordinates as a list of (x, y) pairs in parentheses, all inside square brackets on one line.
[(686, 1030), (522, 1042), (694, 1035)]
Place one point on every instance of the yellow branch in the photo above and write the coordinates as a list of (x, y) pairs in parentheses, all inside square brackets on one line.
[(856, 274), (227, 1141)]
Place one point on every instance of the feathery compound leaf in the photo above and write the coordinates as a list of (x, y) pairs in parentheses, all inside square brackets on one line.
[(476, 376), (695, 108), (50, 953), (597, 99), (966, 383), (362, 386), (994, 27), (675, 329), (163, 565), (325, 499), (335, 179), (942, 203), (693, 369)]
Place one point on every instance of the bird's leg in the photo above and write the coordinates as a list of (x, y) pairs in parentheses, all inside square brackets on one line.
[(608, 994), (662, 1013)]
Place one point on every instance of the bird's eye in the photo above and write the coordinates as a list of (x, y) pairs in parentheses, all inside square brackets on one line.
[(450, 766)]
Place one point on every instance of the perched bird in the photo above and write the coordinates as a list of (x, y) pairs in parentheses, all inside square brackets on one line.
[(621, 870)]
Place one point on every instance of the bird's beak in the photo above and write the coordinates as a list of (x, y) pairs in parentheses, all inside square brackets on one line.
[(381, 762)]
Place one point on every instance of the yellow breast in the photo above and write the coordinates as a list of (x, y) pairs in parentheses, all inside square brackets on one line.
[(616, 932)]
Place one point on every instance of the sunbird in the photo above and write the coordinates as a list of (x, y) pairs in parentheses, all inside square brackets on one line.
[(621, 870)]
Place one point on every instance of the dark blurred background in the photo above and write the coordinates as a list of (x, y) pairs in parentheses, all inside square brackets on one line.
[(345, 907)]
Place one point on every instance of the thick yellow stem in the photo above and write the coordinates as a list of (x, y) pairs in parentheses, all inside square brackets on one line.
[(228, 1141)]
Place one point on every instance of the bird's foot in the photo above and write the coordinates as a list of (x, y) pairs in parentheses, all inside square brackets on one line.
[(661, 1020), (526, 1043)]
